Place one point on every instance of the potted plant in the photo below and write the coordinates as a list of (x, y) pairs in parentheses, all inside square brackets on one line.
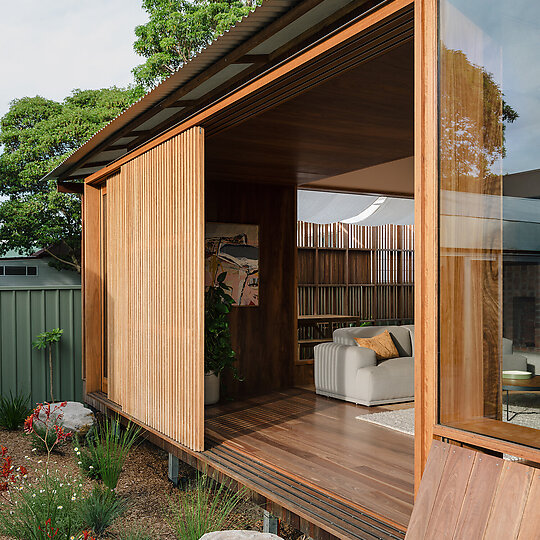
[(218, 353)]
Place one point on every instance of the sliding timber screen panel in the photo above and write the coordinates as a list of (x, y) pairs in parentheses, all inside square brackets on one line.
[(155, 288)]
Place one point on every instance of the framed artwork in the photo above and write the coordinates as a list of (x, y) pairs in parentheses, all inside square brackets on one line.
[(234, 248)]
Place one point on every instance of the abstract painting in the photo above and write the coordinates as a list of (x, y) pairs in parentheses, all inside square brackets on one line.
[(234, 248)]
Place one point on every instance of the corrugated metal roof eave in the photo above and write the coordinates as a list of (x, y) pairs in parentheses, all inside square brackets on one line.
[(224, 44)]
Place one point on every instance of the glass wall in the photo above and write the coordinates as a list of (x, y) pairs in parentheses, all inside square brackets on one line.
[(489, 243)]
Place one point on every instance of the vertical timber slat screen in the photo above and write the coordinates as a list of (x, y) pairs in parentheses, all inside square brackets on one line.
[(156, 288), (363, 272)]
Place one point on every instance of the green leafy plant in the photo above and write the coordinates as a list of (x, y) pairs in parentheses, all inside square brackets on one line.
[(43, 439), (101, 508), (85, 458), (204, 507), (14, 410), (218, 352), (109, 449), (45, 340), (42, 509), (36, 134), (47, 507)]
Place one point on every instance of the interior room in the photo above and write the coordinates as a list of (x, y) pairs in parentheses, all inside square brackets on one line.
[(345, 139)]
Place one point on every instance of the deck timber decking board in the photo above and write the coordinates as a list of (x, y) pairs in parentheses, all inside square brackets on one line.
[(320, 440), (324, 506)]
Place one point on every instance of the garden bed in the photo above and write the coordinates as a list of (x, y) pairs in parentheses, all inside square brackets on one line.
[(143, 483)]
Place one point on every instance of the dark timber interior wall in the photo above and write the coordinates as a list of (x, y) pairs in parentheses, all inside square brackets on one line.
[(263, 337)]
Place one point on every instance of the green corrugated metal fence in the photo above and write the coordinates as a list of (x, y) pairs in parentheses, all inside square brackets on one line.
[(24, 313)]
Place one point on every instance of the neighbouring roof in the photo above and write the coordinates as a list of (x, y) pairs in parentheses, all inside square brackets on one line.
[(245, 50)]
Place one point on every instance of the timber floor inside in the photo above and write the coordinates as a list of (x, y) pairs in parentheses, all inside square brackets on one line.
[(320, 442)]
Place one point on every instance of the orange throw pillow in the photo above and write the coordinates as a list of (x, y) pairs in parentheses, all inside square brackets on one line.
[(382, 344)]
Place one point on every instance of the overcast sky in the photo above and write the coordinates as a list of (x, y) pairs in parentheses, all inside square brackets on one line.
[(49, 47)]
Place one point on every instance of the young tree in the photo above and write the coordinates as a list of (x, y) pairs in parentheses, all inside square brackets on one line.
[(179, 29), (45, 340), (36, 134)]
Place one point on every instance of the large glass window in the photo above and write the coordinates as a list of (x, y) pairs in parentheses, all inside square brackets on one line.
[(489, 154)]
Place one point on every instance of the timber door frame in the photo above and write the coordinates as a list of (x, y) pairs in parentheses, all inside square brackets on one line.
[(426, 257), (427, 321), (103, 262)]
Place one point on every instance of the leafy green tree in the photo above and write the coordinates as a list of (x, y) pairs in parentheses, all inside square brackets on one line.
[(37, 134), (179, 29), (45, 340)]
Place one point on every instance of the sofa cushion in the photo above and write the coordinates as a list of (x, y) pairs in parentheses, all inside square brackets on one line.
[(401, 336), (507, 346), (410, 328), (514, 362), (382, 344), (390, 380)]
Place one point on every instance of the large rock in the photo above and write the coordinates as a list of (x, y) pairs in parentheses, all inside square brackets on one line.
[(239, 535), (75, 418)]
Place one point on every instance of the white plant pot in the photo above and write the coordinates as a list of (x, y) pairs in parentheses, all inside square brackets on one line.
[(211, 388)]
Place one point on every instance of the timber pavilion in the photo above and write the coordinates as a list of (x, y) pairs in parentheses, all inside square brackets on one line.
[(326, 95)]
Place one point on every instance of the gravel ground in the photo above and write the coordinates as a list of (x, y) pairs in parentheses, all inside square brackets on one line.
[(143, 482)]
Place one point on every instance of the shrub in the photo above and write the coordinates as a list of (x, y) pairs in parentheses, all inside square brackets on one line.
[(85, 458), (101, 508), (43, 425), (45, 340), (37, 511), (204, 507), (43, 438), (14, 410), (109, 449), (46, 508)]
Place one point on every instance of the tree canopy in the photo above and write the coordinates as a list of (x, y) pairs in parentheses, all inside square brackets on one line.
[(179, 29), (37, 134)]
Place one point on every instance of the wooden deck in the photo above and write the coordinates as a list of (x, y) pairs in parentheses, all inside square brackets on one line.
[(306, 459), (319, 442)]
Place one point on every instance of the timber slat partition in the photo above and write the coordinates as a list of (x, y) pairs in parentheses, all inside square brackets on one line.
[(361, 271), (469, 495), (155, 319)]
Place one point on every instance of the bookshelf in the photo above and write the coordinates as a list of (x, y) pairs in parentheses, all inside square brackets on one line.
[(349, 274)]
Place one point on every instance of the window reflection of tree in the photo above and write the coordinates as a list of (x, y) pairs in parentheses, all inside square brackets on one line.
[(472, 124)]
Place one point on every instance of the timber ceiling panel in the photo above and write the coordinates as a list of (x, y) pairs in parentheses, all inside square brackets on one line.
[(360, 119)]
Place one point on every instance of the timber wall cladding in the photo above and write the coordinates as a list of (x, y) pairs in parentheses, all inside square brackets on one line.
[(263, 337), (156, 288)]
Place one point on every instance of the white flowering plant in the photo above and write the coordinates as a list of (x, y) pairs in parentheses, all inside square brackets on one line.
[(38, 503), (45, 508)]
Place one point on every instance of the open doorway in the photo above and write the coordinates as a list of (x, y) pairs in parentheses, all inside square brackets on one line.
[(331, 136)]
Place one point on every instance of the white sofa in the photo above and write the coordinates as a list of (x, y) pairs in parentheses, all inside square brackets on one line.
[(343, 370), (512, 361)]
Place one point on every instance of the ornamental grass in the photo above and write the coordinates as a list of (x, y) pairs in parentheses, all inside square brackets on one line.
[(204, 507)]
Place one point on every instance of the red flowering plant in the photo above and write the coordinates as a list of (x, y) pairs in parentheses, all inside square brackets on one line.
[(46, 506), (44, 426), (10, 476)]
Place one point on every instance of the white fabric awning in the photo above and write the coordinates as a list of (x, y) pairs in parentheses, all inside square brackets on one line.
[(325, 207)]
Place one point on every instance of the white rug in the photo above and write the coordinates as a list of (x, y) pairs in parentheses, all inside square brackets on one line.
[(401, 420), (527, 406)]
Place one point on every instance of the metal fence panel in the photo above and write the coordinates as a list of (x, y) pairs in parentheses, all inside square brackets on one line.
[(24, 313)]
